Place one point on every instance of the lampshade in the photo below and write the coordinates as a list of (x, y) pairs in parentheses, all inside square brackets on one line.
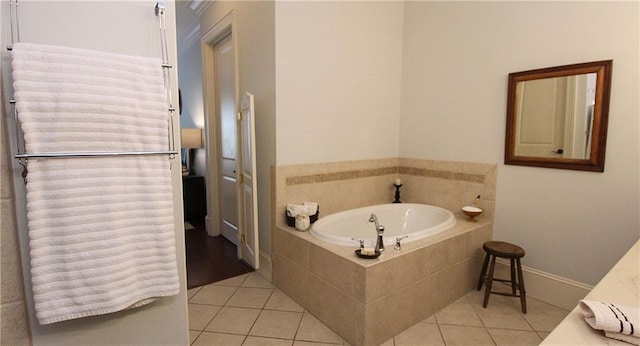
[(192, 138)]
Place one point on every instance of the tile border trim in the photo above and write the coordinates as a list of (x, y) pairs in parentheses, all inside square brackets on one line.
[(374, 172)]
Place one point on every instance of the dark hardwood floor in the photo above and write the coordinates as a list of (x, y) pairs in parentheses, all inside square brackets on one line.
[(210, 259)]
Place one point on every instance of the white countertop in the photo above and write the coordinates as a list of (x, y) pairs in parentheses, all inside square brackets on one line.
[(620, 286)]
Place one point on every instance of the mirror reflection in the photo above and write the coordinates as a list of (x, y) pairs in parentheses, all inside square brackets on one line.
[(556, 117)]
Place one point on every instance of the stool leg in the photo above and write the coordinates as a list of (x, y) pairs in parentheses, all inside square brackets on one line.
[(483, 273), (523, 295), (489, 282), (513, 277)]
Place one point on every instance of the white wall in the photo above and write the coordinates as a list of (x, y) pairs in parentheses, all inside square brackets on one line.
[(119, 27), (190, 77), (457, 56), (365, 80), (189, 67), (338, 80)]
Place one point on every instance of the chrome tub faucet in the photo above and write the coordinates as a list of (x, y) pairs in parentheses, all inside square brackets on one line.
[(380, 231), (398, 239)]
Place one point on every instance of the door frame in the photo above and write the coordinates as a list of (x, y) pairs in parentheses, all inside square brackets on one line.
[(212, 117)]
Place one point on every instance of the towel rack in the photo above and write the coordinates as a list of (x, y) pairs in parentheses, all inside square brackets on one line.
[(62, 155), (160, 9)]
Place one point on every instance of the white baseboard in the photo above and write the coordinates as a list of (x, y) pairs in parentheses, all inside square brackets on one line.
[(265, 266), (549, 288), (212, 231)]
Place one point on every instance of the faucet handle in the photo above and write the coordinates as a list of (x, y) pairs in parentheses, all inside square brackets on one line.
[(361, 242), (398, 239)]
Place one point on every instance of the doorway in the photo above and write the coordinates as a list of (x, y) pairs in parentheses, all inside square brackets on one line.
[(211, 241), (231, 161), (223, 96)]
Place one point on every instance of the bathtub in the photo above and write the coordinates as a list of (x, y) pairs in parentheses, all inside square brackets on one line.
[(415, 221)]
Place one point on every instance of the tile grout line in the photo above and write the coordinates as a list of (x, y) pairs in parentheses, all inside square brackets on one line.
[(199, 331), (475, 311), (216, 314), (472, 303), (435, 317), (259, 314), (298, 327)]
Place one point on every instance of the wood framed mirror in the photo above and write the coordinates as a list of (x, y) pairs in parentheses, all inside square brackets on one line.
[(557, 116)]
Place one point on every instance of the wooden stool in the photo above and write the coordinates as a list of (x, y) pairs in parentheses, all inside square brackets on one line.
[(513, 253)]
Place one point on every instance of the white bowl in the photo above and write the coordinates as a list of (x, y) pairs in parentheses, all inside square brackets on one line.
[(471, 212)]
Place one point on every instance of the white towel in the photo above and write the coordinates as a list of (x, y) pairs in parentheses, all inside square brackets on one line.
[(617, 321), (307, 208), (101, 230), (312, 207)]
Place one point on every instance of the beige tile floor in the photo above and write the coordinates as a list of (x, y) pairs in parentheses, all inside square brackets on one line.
[(248, 310)]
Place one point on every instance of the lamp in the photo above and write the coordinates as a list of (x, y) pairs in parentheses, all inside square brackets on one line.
[(190, 139)]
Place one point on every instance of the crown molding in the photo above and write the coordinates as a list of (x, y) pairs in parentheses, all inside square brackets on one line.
[(199, 6), (190, 36)]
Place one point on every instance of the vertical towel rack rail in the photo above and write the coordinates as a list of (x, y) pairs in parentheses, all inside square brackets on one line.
[(160, 10)]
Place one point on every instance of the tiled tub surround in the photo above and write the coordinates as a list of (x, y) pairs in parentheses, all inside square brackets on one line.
[(340, 186), (370, 301)]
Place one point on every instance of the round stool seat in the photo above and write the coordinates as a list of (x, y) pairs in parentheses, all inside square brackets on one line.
[(513, 252), (503, 249)]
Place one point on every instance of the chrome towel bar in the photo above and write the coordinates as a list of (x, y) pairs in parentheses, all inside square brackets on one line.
[(94, 153)]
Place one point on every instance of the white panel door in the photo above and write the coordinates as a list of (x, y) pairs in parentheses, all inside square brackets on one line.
[(540, 130), (226, 102), (248, 249)]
